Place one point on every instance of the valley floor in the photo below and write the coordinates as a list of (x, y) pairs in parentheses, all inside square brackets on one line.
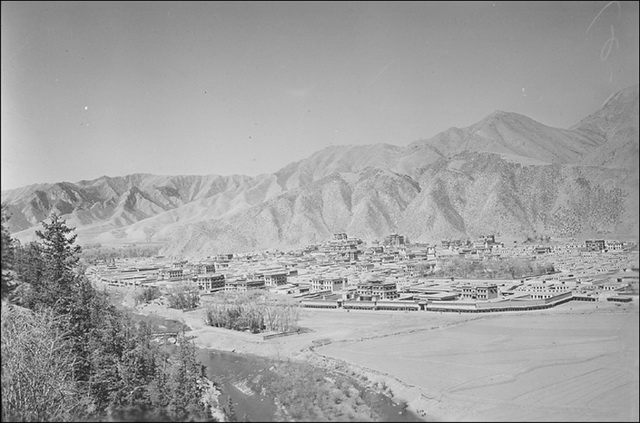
[(575, 362)]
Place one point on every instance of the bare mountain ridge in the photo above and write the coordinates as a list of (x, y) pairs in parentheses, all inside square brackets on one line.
[(473, 194), (506, 174), (514, 134), (120, 201)]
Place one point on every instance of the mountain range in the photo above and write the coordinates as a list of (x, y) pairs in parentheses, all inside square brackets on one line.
[(507, 175)]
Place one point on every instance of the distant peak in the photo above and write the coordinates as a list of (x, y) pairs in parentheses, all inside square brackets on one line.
[(633, 89), (625, 95), (619, 105), (501, 115), (498, 113)]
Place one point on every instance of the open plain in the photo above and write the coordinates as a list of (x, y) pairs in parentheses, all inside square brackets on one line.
[(575, 362)]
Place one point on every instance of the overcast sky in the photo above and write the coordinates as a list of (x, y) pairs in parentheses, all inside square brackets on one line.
[(108, 88)]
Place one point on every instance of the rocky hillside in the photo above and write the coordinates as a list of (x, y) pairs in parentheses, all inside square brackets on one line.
[(507, 175), (121, 201)]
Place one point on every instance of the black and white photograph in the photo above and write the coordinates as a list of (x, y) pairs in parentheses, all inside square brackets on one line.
[(274, 211)]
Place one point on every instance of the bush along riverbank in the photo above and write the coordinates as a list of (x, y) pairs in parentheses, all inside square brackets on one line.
[(250, 384), (266, 389)]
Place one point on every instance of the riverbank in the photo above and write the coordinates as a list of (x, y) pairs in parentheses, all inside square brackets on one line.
[(302, 347), (450, 366)]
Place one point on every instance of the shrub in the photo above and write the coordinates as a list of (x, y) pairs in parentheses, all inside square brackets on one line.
[(146, 295), (327, 398), (253, 313), (185, 296), (37, 368)]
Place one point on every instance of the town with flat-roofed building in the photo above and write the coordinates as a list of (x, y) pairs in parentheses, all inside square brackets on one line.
[(433, 277)]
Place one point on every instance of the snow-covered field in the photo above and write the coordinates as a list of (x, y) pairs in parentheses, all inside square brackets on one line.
[(578, 361), (572, 364)]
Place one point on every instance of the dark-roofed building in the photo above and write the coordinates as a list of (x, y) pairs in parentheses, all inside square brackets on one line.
[(243, 285), (394, 239), (210, 282), (595, 245), (376, 290), (171, 273), (275, 278), (331, 284), (480, 292), (202, 268)]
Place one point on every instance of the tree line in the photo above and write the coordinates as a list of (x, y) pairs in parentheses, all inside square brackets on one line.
[(69, 355), (95, 253), (256, 312), (500, 268)]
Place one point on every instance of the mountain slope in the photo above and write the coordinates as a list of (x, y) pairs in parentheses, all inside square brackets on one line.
[(121, 201), (470, 195), (617, 123)]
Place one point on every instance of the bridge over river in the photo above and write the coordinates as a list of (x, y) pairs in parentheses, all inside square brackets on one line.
[(164, 338)]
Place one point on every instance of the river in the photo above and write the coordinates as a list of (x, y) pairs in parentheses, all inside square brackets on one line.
[(245, 379)]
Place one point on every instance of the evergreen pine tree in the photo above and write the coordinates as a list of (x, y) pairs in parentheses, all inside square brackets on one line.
[(60, 258), (7, 256), (187, 391), (112, 361), (29, 276), (230, 411)]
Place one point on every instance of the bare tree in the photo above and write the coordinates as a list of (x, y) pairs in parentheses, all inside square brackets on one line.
[(37, 368)]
